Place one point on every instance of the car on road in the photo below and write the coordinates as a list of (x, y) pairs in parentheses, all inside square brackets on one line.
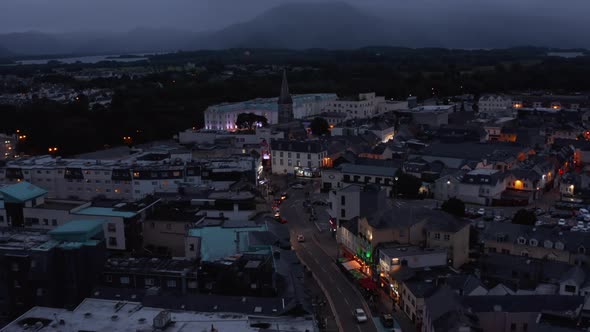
[(298, 186), (387, 320), (481, 211), (481, 224), (284, 196), (277, 202), (277, 214), (561, 222), (359, 315), (281, 220), (300, 238), (499, 218)]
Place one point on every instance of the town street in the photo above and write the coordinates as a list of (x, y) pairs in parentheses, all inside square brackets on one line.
[(341, 294)]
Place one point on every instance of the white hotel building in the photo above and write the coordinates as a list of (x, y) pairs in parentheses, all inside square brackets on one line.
[(224, 116)]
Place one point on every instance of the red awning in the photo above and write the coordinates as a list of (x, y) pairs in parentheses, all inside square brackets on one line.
[(368, 283)]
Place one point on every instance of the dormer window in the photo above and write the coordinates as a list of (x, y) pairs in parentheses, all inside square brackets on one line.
[(521, 240), (548, 244), (533, 242)]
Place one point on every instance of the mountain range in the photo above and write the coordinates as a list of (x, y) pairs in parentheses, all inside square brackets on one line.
[(335, 25)]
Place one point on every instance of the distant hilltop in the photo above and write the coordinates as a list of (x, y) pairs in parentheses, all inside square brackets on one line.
[(327, 25)]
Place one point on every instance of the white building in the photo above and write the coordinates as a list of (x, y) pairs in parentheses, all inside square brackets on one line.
[(493, 104), (7, 146), (365, 105), (128, 179), (25, 205), (120, 316), (299, 158), (224, 116)]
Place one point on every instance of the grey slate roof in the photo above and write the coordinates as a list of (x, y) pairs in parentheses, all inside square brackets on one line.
[(523, 303), (465, 283), (508, 232), (575, 274)]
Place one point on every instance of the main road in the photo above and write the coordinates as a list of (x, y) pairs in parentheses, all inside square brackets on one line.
[(341, 294)]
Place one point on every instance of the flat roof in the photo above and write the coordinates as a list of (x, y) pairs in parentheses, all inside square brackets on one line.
[(105, 212), (59, 205), (405, 251), (116, 316), (77, 230), (221, 242)]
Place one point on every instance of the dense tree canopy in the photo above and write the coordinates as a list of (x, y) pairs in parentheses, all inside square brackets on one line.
[(454, 206), (319, 127), (524, 217), (249, 121)]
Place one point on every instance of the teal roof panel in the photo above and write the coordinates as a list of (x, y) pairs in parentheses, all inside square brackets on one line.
[(21, 192)]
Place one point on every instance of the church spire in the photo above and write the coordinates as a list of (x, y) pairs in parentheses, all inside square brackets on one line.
[(285, 97)]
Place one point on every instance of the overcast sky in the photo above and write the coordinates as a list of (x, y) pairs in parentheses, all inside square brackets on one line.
[(198, 15)]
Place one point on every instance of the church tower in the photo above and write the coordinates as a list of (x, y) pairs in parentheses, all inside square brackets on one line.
[(285, 102)]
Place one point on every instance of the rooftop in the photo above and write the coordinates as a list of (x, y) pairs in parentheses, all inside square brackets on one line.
[(59, 205), (116, 316), (219, 242), (405, 251), (523, 303), (104, 212), (385, 171), (77, 230), (21, 192), (150, 264)]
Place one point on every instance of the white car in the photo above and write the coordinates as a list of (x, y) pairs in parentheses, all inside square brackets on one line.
[(581, 224), (584, 211), (538, 223), (498, 218), (575, 229), (481, 211), (561, 222), (359, 315)]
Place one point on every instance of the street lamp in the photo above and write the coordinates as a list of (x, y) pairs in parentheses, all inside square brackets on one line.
[(395, 187)]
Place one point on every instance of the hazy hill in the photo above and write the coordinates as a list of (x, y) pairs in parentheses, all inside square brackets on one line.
[(334, 25)]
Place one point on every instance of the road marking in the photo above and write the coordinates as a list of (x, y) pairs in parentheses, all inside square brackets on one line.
[(359, 328), (347, 303)]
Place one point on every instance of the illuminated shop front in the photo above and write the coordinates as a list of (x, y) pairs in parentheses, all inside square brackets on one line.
[(307, 172)]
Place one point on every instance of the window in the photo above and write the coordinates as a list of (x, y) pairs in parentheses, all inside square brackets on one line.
[(343, 200), (124, 280), (437, 236), (154, 183), (112, 241), (342, 213), (570, 289), (513, 327), (298, 156), (53, 222), (191, 247), (581, 250), (281, 162), (281, 154), (153, 225), (171, 283), (111, 227), (149, 281), (524, 253), (506, 251), (525, 327), (288, 154), (45, 221), (1, 218), (309, 156), (447, 237), (492, 250)]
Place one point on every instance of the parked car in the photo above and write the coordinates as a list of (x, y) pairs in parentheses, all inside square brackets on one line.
[(481, 211), (581, 224), (561, 222), (481, 224), (584, 211), (300, 238), (284, 196), (538, 223), (387, 320), (498, 218), (359, 315)]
